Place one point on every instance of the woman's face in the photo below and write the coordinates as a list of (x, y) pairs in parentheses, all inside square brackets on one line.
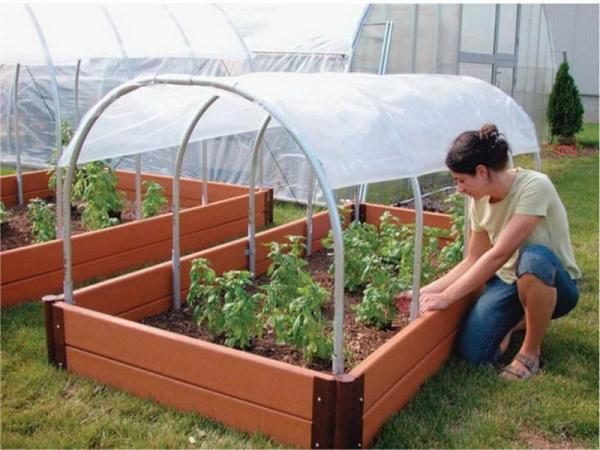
[(475, 186)]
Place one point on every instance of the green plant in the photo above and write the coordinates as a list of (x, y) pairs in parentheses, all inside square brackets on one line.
[(97, 187), (223, 305), (565, 111), (203, 297), (293, 301), (43, 225), (154, 199), (66, 134), (309, 331), (378, 306), (4, 214), (240, 309), (452, 253), (360, 241)]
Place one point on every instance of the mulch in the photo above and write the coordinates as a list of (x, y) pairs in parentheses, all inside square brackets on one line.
[(567, 151), (360, 340)]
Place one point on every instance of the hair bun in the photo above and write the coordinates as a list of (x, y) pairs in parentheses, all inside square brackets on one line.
[(488, 132)]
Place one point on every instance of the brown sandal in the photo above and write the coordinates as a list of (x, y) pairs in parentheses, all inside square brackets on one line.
[(529, 368)]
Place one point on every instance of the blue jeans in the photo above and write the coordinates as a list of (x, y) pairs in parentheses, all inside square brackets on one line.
[(499, 309)]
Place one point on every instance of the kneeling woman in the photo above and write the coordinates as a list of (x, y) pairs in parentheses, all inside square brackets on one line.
[(519, 255)]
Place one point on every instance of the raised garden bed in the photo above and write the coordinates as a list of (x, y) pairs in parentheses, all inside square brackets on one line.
[(99, 337), (35, 270)]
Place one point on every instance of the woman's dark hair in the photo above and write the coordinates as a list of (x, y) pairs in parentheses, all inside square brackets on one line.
[(472, 148)]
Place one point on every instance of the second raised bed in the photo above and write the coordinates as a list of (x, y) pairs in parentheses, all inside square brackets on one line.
[(28, 273)]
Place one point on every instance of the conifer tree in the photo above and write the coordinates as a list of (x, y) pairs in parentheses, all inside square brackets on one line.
[(565, 111)]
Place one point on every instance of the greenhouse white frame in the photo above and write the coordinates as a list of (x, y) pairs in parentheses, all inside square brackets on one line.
[(387, 124)]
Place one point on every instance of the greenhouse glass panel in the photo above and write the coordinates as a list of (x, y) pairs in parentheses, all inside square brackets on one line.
[(478, 24), (507, 27)]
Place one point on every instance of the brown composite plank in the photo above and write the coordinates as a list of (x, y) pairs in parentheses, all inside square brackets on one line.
[(190, 190), (51, 282), (32, 260), (430, 219), (408, 347), (193, 361), (398, 394), (234, 412)]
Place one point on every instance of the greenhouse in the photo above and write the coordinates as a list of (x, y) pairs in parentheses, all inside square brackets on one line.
[(49, 83)]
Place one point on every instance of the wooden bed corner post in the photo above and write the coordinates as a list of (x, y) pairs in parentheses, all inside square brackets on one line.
[(349, 407), (323, 413), (269, 205), (55, 331)]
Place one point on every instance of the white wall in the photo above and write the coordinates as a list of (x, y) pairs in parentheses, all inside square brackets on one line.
[(574, 28)]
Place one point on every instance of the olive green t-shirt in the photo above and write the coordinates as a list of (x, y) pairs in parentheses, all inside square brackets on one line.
[(532, 193)]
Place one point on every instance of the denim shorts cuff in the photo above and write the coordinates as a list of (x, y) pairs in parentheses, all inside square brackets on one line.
[(548, 278)]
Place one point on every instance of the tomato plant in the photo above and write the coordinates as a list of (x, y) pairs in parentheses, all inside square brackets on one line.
[(43, 222), (293, 301), (154, 199), (223, 304), (97, 187), (4, 214)]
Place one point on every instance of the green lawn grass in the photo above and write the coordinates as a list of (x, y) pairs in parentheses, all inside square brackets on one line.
[(461, 406), (6, 171), (588, 137)]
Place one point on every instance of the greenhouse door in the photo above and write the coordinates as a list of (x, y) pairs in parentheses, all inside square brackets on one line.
[(489, 43)]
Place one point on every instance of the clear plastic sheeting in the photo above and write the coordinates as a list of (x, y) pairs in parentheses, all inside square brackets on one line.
[(297, 28), (93, 48), (299, 37), (361, 128)]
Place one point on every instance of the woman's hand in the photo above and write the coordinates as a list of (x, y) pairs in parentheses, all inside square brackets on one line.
[(403, 299), (432, 302)]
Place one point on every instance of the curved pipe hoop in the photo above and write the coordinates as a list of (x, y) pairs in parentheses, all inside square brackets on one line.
[(78, 139), (357, 31), (176, 251), (252, 196), (57, 115), (17, 137), (310, 200), (416, 286)]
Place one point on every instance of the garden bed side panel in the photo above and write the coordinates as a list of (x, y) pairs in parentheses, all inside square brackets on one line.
[(35, 184), (242, 390), (190, 190), (394, 373), (36, 270), (430, 219)]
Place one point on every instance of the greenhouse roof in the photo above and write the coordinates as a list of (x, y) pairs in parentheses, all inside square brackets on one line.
[(63, 33), (302, 28), (359, 128)]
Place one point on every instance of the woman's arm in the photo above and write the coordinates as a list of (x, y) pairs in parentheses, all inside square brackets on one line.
[(479, 243), (512, 237)]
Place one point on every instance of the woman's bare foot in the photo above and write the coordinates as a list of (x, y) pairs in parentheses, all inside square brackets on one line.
[(520, 326)]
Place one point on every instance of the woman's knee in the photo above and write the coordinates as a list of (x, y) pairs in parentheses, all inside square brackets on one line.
[(538, 261)]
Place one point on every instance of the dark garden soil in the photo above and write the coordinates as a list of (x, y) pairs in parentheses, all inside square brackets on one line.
[(16, 231), (360, 340)]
